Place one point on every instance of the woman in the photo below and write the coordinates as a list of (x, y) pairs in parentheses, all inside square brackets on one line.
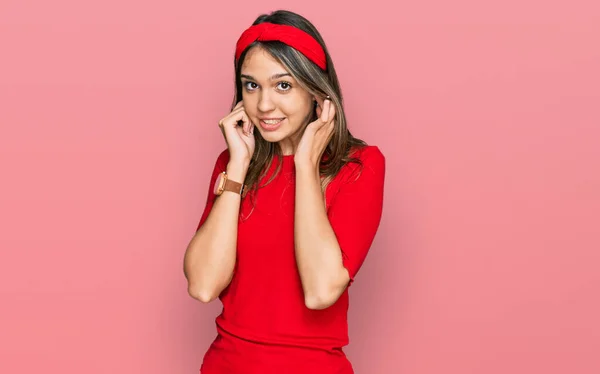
[(294, 205)]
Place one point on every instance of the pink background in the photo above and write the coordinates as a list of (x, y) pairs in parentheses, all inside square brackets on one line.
[(487, 259)]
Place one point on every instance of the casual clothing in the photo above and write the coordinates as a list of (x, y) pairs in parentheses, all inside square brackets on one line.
[(265, 326)]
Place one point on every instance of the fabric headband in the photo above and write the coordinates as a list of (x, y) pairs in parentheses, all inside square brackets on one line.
[(289, 35)]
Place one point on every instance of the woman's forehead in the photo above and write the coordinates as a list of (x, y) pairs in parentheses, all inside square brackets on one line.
[(259, 64)]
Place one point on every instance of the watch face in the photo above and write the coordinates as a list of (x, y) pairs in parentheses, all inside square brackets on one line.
[(219, 184)]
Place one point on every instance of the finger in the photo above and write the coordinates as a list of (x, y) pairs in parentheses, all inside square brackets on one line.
[(325, 114), (230, 123), (245, 123), (321, 104), (233, 114), (248, 126), (331, 114), (322, 118), (238, 105), (241, 132), (329, 126), (223, 132), (321, 111), (245, 132), (330, 129), (321, 100)]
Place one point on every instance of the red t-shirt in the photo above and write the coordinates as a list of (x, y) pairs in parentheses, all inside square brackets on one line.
[(265, 326)]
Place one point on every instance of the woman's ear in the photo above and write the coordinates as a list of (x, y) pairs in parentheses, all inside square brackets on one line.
[(318, 108)]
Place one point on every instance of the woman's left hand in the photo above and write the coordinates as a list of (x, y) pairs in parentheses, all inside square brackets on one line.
[(316, 137)]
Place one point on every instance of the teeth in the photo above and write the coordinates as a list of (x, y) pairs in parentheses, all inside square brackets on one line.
[(272, 121)]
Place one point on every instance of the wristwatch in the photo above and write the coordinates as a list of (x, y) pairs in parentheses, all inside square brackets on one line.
[(224, 184)]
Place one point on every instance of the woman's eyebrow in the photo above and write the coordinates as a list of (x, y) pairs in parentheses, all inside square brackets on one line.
[(273, 77)]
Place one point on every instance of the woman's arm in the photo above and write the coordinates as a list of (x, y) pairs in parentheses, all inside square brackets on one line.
[(332, 245), (318, 253), (211, 254)]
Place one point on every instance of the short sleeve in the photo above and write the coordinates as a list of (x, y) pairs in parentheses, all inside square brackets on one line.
[(355, 212), (220, 166)]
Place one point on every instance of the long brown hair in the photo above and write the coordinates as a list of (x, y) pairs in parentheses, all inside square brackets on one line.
[(316, 81)]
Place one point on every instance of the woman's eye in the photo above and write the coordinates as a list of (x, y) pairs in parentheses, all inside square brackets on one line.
[(284, 86), (250, 85)]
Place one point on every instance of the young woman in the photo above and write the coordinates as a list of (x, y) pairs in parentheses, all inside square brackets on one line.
[(294, 204)]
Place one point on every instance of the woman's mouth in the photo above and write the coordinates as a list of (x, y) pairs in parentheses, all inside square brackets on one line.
[(271, 124)]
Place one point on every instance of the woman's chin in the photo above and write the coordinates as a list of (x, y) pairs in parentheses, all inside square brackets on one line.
[(272, 136)]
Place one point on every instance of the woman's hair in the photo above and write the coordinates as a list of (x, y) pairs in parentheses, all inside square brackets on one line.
[(317, 82)]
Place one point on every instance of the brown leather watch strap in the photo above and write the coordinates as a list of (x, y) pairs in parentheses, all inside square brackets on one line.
[(235, 187)]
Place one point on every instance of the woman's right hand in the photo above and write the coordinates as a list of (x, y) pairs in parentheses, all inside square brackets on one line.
[(240, 139)]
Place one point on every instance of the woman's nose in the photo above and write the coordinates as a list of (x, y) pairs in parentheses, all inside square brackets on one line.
[(265, 103)]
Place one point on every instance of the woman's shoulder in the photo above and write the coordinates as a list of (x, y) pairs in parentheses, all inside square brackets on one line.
[(370, 158), (372, 153)]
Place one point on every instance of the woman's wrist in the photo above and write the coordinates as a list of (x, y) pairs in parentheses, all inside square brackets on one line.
[(236, 171), (307, 170)]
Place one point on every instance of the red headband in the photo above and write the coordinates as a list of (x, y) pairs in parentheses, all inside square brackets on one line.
[(289, 35)]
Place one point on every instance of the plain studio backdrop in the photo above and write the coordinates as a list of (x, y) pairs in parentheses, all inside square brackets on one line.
[(487, 257)]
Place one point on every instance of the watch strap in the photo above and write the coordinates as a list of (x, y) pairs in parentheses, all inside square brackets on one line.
[(235, 187)]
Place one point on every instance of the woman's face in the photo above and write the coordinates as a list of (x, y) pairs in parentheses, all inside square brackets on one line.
[(273, 99)]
